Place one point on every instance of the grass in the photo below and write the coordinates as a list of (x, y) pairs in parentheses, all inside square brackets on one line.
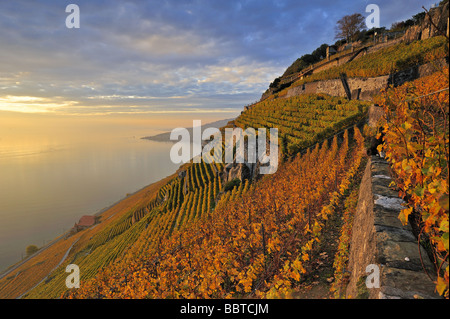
[(385, 61)]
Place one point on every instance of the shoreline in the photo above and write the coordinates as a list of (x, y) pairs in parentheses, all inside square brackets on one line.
[(98, 213), (67, 233)]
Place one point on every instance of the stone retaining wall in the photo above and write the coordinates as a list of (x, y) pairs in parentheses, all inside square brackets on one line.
[(379, 239), (368, 86)]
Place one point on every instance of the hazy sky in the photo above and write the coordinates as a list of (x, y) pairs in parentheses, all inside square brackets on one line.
[(157, 56)]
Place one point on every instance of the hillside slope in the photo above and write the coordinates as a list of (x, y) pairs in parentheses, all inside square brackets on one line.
[(256, 243), (202, 233)]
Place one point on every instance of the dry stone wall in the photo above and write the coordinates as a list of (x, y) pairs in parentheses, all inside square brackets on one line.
[(381, 240), (368, 87)]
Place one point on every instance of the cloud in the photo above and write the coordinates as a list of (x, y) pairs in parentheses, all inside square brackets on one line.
[(138, 56), (33, 104)]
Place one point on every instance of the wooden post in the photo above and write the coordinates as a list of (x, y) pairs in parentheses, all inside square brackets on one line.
[(309, 217), (189, 259), (335, 181), (448, 22), (264, 245), (158, 249), (343, 77), (263, 239)]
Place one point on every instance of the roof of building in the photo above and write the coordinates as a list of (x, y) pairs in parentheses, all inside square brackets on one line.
[(86, 220)]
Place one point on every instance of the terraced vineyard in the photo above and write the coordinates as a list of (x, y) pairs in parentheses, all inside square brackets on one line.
[(256, 242), (385, 61), (149, 236), (304, 120), (32, 271), (182, 200), (190, 197)]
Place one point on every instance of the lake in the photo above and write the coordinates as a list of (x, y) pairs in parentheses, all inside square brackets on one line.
[(54, 172)]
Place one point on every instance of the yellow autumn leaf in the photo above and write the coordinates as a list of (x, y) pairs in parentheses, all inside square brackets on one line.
[(441, 286), (403, 216)]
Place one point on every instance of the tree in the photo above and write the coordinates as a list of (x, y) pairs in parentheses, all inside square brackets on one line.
[(418, 18), (31, 249), (320, 52), (231, 184), (349, 26), (400, 26)]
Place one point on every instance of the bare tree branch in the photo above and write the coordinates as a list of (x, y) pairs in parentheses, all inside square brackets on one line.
[(348, 26)]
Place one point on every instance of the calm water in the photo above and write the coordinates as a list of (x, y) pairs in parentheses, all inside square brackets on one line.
[(44, 192), (52, 175)]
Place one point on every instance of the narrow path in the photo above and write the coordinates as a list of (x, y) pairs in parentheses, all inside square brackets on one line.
[(54, 268), (42, 249)]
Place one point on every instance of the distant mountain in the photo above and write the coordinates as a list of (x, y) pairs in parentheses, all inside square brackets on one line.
[(165, 137)]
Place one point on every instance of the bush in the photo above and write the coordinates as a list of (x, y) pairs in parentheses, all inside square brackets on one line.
[(231, 184), (31, 249)]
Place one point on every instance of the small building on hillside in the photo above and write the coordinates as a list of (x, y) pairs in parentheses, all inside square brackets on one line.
[(330, 51), (85, 222)]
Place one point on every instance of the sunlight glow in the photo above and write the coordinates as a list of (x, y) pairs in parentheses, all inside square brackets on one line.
[(30, 104)]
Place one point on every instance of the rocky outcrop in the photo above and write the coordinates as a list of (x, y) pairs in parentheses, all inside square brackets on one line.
[(425, 30), (236, 170), (416, 72), (248, 169)]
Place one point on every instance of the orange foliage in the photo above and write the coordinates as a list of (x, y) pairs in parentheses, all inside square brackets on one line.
[(254, 244), (417, 146)]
